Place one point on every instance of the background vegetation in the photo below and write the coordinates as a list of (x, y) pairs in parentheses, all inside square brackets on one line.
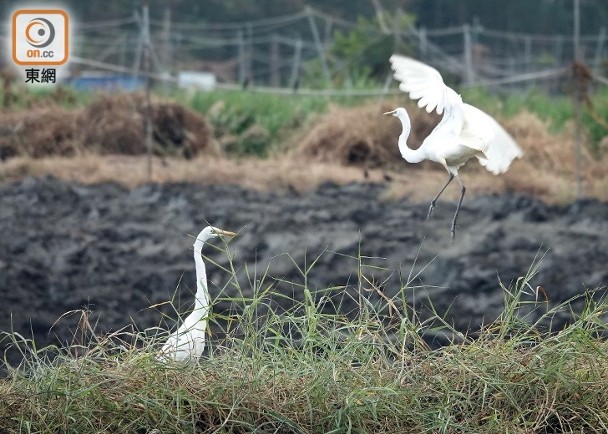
[(250, 123), (545, 16)]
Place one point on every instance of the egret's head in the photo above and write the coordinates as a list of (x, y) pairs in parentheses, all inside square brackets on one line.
[(211, 232), (217, 232), (399, 112)]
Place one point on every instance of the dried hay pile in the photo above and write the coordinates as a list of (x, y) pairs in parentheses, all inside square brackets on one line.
[(363, 136), (548, 167), (111, 124), (114, 124), (545, 150), (38, 132)]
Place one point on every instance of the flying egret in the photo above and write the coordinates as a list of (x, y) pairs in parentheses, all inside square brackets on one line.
[(188, 342), (464, 131)]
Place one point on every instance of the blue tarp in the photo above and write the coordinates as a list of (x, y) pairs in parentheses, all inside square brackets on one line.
[(122, 82)]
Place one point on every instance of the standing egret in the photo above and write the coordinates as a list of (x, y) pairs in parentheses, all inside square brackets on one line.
[(464, 131), (188, 342)]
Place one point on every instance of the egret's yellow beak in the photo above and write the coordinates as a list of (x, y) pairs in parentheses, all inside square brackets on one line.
[(392, 112), (224, 233)]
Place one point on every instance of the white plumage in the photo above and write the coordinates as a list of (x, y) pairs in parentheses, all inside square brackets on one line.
[(464, 131), (188, 342)]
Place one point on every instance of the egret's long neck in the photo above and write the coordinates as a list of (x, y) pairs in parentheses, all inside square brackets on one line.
[(201, 300), (410, 155)]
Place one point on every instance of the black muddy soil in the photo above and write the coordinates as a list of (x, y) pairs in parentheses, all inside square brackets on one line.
[(117, 251)]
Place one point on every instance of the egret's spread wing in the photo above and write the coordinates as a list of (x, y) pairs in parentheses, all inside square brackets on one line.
[(472, 127), (423, 83), (500, 149)]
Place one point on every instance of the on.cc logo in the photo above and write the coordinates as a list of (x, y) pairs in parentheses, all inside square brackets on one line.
[(40, 32), (40, 37)]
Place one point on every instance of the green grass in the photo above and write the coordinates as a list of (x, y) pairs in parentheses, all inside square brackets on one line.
[(273, 112), (63, 96), (313, 368), (258, 122), (557, 109)]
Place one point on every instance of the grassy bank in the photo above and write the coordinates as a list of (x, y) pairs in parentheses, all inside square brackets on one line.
[(312, 368), (254, 123)]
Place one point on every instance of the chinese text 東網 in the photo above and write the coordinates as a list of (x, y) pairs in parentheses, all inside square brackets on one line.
[(44, 75)]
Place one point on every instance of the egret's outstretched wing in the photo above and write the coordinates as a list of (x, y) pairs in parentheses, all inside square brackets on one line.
[(479, 127), (472, 127), (423, 83)]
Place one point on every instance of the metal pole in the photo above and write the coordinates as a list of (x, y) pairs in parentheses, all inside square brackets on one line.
[(468, 56), (321, 51), (122, 55), (275, 78), (328, 28), (140, 46), (527, 66), (577, 31), (165, 60), (147, 68), (249, 54), (295, 69), (423, 43), (599, 49), (241, 56), (559, 42), (577, 102)]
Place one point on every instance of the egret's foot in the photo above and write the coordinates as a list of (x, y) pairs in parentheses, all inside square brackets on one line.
[(453, 231), (431, 208)]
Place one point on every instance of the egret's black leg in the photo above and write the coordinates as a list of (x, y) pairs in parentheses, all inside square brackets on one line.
[(434, 201), (462, 191)]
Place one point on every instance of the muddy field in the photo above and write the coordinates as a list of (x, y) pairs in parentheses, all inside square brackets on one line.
[(117, 251)]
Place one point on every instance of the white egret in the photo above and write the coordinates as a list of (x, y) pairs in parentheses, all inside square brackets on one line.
[(464, 131), (188, 342)]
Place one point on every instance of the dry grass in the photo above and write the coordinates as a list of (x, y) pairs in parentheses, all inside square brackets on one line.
[(38, 132), (344, 145), (277, 173), (362, 136), (110, 124), (548, 168), (113, 124)]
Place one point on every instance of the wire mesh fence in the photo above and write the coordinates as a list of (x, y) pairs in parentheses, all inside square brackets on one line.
[(275, 52)]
